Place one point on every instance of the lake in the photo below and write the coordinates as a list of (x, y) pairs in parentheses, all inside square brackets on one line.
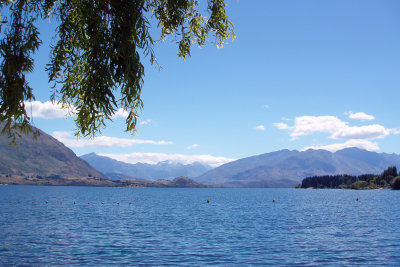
[(92, 226)]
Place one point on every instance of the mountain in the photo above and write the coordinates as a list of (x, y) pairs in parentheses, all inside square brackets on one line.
[(181, 182), (287, 168), (41, 160), (116, 170), (46, 161)]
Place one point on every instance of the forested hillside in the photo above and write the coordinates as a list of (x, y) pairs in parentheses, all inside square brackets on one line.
[(388, 179)]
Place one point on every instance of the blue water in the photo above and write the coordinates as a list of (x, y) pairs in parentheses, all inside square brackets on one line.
[(238, 227)]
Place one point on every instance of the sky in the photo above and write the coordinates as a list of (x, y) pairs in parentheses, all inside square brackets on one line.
[(299, 75)]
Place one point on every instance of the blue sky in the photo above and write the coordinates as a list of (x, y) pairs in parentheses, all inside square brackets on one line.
[(300, 74)]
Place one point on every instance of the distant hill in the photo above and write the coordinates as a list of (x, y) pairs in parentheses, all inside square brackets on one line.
[(42, 158), (46, 161), (287, 168), (180, 182), (117, 170)]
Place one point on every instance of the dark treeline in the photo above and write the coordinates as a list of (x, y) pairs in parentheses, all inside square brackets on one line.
[(388, 179)]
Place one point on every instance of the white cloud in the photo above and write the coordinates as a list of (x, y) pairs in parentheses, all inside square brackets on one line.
[(54, 110), (307, 125), (153, 158), (266, 106), (120, 113), (48, 110), (145, 122), (354, 136), (260, 128), (364, 144), (360, 116), (102, 141), (282, 126), (361, 132), (194, 146), (285, 119), (394, 131)]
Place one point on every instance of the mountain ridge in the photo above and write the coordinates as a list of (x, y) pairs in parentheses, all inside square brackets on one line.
[(46, 161), (44, 156), (115, 169), (286, 168)]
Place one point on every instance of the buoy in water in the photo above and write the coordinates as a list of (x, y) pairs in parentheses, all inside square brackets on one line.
[(273, 201), (130, 203), (60, 202), (10, 202), (33, 202), (208, 201), (357, 199)]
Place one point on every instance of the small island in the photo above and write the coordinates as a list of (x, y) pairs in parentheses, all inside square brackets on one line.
[(389, 179)]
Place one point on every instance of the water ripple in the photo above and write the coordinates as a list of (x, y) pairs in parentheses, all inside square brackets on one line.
[(86, 226)]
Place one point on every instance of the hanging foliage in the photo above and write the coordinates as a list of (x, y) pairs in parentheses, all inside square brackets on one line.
[(96, 63)]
